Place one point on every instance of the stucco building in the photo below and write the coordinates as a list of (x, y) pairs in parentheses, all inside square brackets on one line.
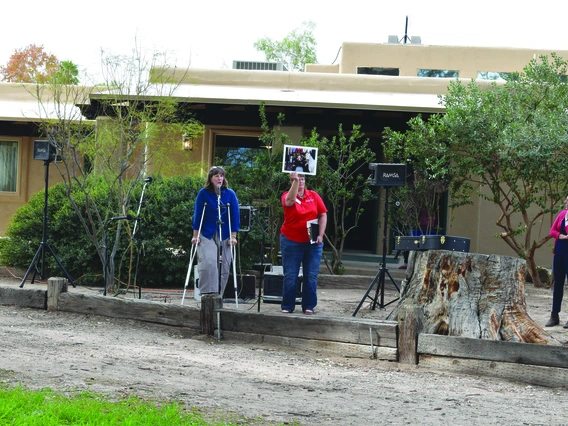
[(372, 85)]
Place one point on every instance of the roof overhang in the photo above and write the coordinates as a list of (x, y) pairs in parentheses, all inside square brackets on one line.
[(36, 103), (318, 90)]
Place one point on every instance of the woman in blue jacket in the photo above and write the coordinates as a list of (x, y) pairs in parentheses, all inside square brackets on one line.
[(216, 221)]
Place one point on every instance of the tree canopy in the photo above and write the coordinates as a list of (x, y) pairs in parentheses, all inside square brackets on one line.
[(506, 143), (33, 64), (129, 138), (296, 50)]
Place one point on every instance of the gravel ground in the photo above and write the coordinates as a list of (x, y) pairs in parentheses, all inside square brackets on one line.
[(257, 383)]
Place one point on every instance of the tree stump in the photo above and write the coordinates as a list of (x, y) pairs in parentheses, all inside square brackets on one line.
[(470, 295)]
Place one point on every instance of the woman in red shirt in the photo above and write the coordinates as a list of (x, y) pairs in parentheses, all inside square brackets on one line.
[(298, 249)]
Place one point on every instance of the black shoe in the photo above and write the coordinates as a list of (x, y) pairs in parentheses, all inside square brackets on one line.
[(554, 320)]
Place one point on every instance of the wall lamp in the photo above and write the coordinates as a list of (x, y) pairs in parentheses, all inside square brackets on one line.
[(186, 143)]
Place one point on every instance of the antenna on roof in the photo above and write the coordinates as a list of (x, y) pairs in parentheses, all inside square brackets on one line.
[(406, 38), (393, 39)]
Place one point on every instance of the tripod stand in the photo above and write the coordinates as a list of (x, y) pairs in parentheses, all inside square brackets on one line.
[(44, 245), (380, 277)]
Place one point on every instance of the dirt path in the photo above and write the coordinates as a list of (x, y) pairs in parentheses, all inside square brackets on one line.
[(265, 385)]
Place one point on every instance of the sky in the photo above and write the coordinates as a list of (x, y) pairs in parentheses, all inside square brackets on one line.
[(211, 34)]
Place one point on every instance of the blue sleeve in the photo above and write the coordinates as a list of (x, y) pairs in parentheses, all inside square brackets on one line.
[(198, 209), (235, 212)]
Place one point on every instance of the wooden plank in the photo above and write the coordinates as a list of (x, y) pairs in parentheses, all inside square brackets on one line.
[(27, 298), (494, 350), (347, 350), (523, 373), (135, 309), (346, 330)]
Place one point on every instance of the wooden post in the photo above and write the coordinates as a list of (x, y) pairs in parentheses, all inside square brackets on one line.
[(209, 303), (409, 327), (55, 286)]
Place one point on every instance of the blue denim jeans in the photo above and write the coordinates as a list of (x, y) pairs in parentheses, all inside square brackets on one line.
[(559, 271), (295, 255)]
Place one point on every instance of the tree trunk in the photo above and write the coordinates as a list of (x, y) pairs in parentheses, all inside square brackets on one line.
[(534, 274), (470, 295)]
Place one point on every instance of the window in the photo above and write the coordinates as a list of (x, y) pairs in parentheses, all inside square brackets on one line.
[(378, 71), (8, 166), (438, 73), (494, 76)]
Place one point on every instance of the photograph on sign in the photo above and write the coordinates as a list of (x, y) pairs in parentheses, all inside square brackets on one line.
[(301, 159)]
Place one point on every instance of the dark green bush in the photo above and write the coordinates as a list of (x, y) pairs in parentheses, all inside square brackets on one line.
[(161, 246), (165, 231), (65, 236)]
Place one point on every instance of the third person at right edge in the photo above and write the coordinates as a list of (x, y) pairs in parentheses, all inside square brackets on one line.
[(301, 208)]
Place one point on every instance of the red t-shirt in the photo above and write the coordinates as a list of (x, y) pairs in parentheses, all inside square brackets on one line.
[(297, 216)]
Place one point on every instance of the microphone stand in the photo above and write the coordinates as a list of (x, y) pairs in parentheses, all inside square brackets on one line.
[(262, 267), (138, 236), (220, 242)]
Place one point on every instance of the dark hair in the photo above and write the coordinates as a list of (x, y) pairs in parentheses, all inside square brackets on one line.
[(215, 170)]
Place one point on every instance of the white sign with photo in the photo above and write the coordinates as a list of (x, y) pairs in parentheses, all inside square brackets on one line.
[(301, 159)]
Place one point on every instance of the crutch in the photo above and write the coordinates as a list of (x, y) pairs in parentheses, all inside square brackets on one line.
[(192, 255), (233, 251)]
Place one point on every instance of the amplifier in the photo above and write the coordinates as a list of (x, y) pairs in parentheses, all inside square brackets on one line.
[(273, 289), (246, 285)]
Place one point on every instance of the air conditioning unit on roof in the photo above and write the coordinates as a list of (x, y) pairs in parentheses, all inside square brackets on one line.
[(261, 66), (393, 39)]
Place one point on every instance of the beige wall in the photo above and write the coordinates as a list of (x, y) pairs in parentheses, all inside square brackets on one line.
[(330, 69), (31, 179), (410, 57), (478, 222)]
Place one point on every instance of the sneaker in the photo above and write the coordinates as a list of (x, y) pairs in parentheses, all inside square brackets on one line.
[(308, 312), (285, 311)]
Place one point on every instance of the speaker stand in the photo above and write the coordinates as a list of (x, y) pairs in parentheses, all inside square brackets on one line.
[(44, 245), (380, 277)]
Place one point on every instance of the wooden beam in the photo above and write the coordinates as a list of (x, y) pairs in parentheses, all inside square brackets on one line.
[(347, 350), (493, 350), (346, 330), (524, 373), (135, 309), (28, 298)]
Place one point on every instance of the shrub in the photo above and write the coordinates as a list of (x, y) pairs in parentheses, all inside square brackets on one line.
[(161, 245)]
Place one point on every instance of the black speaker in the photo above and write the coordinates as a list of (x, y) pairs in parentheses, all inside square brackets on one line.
[(44, 150), (388, 174), (273, 289), (245, 287), (245, 218)]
